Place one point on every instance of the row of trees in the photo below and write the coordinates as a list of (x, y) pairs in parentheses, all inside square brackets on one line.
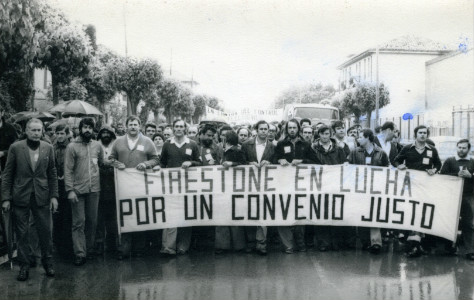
[(36, 35), (356, 101)]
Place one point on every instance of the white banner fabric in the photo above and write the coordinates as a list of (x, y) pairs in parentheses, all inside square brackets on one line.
[(339, 195)]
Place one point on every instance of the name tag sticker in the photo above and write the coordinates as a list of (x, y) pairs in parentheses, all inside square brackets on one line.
[(368, 160), (429, 153), (94, 161), (189, 151), (140, 148), (209, 156), (287, 149), (426, 161)]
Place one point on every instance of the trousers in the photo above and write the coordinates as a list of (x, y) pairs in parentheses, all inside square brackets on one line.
[(84, 223)]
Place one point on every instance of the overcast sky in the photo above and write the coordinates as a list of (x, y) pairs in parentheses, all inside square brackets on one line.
[(247, 52)]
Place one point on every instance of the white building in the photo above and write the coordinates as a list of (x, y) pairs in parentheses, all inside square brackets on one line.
[(401, 67), (450, 94)]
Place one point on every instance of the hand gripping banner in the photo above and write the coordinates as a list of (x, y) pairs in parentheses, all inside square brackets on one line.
[(339, 195)]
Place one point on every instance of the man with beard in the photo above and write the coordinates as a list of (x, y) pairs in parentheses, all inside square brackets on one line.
[(30, 185), (133, 150), (106, 235), (209, 151), (63, 219), (178, 152), (423, 157), (293, 150), (258, 152), (462, 165), (369, 154), (84, 156), (150, 130), (307, 133), (328, 152)]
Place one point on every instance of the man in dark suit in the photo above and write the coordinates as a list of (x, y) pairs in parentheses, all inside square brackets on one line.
[(258, 152), (30, 185)]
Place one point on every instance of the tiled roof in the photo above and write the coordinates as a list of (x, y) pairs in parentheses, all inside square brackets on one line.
[(415, 43)]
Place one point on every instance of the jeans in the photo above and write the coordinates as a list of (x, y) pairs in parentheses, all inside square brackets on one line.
[(84, 223)]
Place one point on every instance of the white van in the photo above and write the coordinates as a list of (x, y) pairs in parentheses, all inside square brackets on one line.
[(315, 112)]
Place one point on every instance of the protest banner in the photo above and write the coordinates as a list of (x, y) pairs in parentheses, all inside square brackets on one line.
[(340, 195)]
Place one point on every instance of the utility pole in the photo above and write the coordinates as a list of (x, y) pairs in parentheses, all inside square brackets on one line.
[(125, 27), (377, 87)]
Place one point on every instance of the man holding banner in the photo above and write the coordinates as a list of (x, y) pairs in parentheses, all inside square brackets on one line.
[(462, 165), (328, 152), (293, 150), (423, 157), (259, 152), (182, 152), (369, 154), (133, 150)]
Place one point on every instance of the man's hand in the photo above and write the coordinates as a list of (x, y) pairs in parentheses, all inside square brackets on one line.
[(186, 164), (264, 163), (227, 164), (464, 174), (141, 167), (6, 206), (212, 162), (283, 162), (296, 162), (431, 172), (72, 197), (254, 163), (402, 167), (156, 168), (54, 204), (2, 154)]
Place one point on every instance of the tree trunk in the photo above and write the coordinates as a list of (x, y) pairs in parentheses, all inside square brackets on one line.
[(54, 87)]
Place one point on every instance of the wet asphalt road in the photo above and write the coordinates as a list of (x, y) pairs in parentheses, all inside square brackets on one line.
[(349, 274)]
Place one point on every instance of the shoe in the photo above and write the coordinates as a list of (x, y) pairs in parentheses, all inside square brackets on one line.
[(375, 249), (289, 251), (181, 252), (302, 249), (49, 270), (168, 252), (23, 274), (261, 252), (413, 249), (248, 250), (79, 261), (470, 256)]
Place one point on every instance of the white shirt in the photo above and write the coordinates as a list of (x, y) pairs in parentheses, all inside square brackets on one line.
[(132, 143), (185, 141), (260, 148)]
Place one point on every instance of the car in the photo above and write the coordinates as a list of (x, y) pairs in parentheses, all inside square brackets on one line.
[(447, 146)]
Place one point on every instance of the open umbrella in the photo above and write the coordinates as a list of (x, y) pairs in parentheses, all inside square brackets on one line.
[(43, 116), (76, 108), (71, 122)]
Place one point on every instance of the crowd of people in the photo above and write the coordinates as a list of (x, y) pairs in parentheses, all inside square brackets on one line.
[(67, 176)]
